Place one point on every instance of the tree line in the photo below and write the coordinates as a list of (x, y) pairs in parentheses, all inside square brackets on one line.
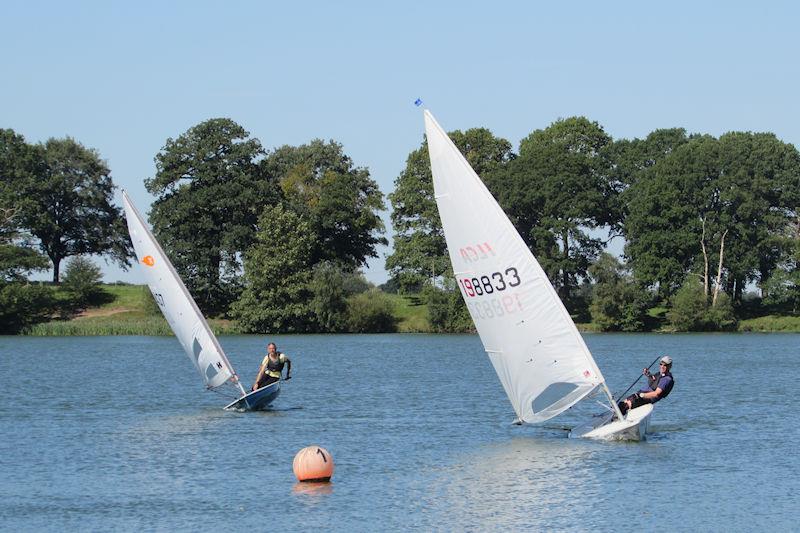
[(275, 239), (701, 218), (271, 238)]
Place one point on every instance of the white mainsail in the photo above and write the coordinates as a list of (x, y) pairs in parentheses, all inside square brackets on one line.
[(535, 348), (178, 306)]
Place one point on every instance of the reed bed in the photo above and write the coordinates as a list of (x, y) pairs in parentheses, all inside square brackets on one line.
[(122, 324)]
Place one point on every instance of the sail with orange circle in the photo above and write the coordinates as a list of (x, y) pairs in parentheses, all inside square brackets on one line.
[(177, 305)]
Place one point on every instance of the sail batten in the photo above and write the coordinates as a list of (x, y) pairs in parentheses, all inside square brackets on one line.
[(177, 305), (537, 352)]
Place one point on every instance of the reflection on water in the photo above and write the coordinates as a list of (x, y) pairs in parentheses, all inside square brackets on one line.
[(306, 488), (517, 483)]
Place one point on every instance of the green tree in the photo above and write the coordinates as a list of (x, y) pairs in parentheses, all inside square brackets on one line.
[(16, 260), (209, 191), (664, 207), (277, 272), (632, 157), (82, 281), (64, 199), (446, 310), (371, 312), (329, 303), (420, 252), (560, 187), (20, 162), (340, 201), (332, 287), (758, 195), (618, 304), (21, 304), (782, 290), (691, 311), (718, 208)]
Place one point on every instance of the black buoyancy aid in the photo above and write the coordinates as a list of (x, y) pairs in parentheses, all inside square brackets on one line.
[(277, 365), (654, 384)]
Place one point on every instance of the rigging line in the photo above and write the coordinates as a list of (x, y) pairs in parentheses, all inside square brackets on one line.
[(603, 405), (224, 395), (617, 398)]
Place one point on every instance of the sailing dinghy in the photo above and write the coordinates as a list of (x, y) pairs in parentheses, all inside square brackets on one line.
[(186, 320), (539, 355)]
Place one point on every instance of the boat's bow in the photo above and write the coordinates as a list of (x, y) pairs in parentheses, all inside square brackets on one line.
[(256, 400)]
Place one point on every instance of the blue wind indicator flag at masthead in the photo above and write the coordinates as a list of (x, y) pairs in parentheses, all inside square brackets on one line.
[(418, 102)]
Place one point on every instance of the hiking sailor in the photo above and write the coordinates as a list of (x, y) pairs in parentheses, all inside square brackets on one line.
[(271, 367), (660, 385)]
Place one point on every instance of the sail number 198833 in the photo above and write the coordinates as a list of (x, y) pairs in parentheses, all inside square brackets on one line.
[(492, 285), (496, 281)]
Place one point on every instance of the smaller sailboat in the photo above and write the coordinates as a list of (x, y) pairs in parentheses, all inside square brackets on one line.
[(539, 355), (186, 320)]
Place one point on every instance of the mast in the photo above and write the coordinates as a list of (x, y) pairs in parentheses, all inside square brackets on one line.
[(614, 406)]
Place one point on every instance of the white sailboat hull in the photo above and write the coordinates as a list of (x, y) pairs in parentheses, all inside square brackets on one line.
[(633, 427)]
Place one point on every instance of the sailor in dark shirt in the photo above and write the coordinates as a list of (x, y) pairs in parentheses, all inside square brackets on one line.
[(660, 385)]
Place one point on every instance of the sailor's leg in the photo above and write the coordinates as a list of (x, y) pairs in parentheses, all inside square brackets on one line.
[(623, 405)]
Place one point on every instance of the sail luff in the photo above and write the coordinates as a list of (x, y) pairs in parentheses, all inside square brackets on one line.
[(192, 340), (543, 349)]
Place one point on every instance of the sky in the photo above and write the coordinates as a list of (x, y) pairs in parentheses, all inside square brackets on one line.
[(123, 77)]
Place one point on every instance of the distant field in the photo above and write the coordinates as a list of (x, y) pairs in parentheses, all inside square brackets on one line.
[(132, 311), (771, 323), (412, 314)]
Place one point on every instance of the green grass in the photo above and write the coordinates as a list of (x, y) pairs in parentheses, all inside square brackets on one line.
[(133, 297), (771, 323), (130, 310), (126, 310), (412, 314), (131, 323), (588, 327)]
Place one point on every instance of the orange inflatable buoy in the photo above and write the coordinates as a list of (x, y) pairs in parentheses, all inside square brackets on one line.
[(313, 464)]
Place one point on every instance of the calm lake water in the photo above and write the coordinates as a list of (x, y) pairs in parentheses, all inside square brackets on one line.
[(117, 433)]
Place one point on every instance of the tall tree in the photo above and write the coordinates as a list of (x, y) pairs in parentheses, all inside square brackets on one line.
[(340, 201), (420, 251), (631, 157), (667, 209), (716, 208), (21, 304), (20, 163), (277, 294), (559, 187), (618, 304), (209, 191), (66, 204), (758, 188), (16, 260)]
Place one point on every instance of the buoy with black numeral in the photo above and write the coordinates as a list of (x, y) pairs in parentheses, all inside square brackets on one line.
[(313, 463)]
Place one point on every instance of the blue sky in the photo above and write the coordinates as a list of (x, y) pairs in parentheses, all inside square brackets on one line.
[(122, 77)]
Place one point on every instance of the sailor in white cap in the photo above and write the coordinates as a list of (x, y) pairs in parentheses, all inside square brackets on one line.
[(659, 387)]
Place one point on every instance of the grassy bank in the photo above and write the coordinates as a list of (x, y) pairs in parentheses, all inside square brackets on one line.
[(130, 310), (411, 313), (771, 323)]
